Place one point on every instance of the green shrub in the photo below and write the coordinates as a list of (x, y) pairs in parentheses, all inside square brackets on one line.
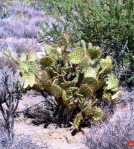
[(107, 23), (78, 80)]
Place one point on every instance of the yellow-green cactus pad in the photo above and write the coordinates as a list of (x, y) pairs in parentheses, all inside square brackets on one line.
[(54, 53), (92, 82), (59, 50), (48, 85), (24, 67), (28, 79), (67, 84), (106, 95), (66, 100), (116, 95), (90, 72), (77, 55), (33, 67), (46, 61), (51, 51), (97, 113), (87, 109), (85, 63), (106, 65), (95, 52), (85, 90), (77, 121), (22, 57), (42, 77), (50, 72), (101, 83), (48, 49), (32, 56), (56, 91), (112, 83)]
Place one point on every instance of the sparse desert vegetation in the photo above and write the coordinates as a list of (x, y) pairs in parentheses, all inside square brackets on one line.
[(71, 73)]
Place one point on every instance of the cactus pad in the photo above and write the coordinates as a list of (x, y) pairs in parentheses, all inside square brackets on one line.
[(85, 63), (76, 56), (87, 109), (50, 72), (56, 91), (33, 68), (97, 113), (116, 95), (90, 72), (28, 79), (66, 100), (46, 61), (106, 95), (106, 65), (77, 121), (32, 56), (42, 78), (48, 85), (22, 57), (95, 52), (85, 90), (112, 83), (92, 82), (24, 67)]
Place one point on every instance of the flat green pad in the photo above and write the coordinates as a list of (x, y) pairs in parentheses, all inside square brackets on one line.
[(106, 65), (32, 56), (92, 82), (46, 61), (97, 113), (112, 83), (56, 91), (28, 79), (85, 90), (76, 56)]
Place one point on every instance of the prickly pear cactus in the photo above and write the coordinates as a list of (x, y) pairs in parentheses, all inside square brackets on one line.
[(74, 78), (79, 75)]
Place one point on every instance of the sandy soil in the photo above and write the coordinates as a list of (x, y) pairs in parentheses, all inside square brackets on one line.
[(50, 137)]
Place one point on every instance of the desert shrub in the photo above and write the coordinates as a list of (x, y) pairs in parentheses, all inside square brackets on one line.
[(10, 94), (78, 80), (106, 23), (118, 131)]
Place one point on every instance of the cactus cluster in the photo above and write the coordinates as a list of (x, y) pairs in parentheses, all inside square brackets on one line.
[(77, 79)]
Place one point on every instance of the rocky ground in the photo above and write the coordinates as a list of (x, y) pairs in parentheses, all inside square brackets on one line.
[(19, 28)]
